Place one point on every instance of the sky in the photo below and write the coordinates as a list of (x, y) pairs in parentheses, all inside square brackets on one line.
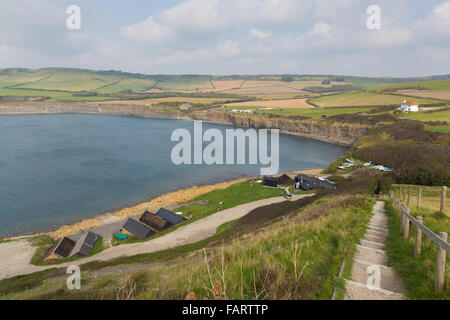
[(230, 36)]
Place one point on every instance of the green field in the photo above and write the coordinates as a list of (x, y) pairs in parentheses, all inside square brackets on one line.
[(134, 85), (436, 85), (429, 116), (314, 113), (54, 95), (73, 81), (365, 98), (188, 84), (61, 83), (441, 129)]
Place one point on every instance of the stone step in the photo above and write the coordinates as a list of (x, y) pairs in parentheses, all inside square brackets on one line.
[(389, 280), (372, 244), (379, 234), (371, 255), (359, 291), (374, 238), (380, 226), (379, 229), (379, 221)]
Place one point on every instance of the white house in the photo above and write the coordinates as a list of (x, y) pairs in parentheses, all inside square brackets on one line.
[(409, 106)]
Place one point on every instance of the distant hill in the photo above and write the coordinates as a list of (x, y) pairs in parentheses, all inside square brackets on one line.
[(82, 84)]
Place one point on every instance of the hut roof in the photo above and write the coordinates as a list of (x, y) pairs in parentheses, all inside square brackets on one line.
[(85, 244), (169, 216), (270, 182), (138, 229), (284, 179), (153, 221), (308, 182), (64, 247)]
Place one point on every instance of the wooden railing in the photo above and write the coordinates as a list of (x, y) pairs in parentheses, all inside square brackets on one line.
[(440, 240)]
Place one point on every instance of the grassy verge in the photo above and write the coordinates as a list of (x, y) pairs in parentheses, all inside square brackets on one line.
[(212, 202), (295, 256), (45, 242), (430, 198), (417, 272)]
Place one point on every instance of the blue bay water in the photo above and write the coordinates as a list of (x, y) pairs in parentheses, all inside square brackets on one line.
[(59, 169)]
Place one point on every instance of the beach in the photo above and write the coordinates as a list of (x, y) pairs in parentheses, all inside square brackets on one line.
[(168, 200)]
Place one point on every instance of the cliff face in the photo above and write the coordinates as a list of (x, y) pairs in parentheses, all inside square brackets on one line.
[(325, 130), (334, 132), (82, 108)]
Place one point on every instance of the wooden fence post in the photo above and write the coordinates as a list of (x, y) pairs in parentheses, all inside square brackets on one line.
[(418, 240), (409, 197), (406, 225), (402, 220), (443, 199), (419, 197), (440, 265)]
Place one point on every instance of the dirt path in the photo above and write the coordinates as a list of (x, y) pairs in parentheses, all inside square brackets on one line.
[(190, 233), (370, 264)]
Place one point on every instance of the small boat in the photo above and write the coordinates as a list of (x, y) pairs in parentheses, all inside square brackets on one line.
[(367, 164), (343, 168), (350, 161)]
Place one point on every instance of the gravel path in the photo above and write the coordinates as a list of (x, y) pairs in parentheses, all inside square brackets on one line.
[(193, 232), (370, 263)]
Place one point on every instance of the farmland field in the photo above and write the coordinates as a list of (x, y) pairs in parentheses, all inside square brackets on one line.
[(436, 85), (441, 129), (54, 95), (430, 116), (314, 113), (171, 99), (265, 90), (226, 85), (365, 98), (77, 81), (135, 85), (184, 84), (288, 104), (443, 95)]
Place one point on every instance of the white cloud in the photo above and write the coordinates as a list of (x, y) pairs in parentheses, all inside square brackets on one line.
[(228, 49), (200, 17), (255, 32), (147, 31), (321, 29), (437, 22)]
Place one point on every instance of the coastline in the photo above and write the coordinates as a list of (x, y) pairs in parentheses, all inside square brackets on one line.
[(168, 200), (331, 132), (164, 200)]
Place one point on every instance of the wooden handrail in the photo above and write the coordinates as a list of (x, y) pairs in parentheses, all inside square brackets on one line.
[(434, 237)]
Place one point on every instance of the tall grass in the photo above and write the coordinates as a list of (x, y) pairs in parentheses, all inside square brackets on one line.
[(417, 272), (297, 257)]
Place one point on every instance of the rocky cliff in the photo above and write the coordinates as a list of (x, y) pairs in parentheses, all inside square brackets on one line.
[(324, 130), (341, 133)]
